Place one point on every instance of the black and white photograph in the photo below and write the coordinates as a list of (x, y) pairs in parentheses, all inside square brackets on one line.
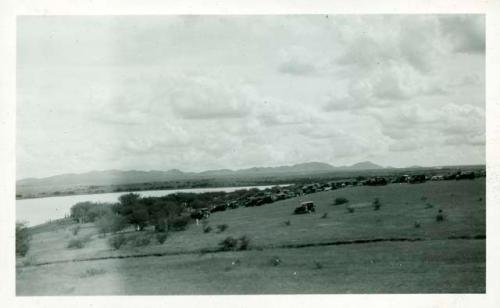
[(250, 154)]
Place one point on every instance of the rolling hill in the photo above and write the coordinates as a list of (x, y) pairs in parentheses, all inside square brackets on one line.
[(109, 177)]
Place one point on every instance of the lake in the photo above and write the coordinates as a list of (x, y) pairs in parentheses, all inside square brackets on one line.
[(40, 210)]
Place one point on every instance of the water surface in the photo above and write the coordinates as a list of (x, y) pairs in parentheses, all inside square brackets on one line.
[(40, 210)]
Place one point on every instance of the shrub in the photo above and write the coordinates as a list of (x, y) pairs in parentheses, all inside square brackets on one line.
[(90, 272), (318, 265), (30, 260), (178, 223), (75, 243), (207, 229), (111, 223), (161, 237), (83, 212), (141, 240), (23, 238), (222, 228), (228, 243), (440, 216), (244, 241), (429, 206), (325, 215), (350, 209), (275, 261), (288, 222), (75, 230), (340, 200), (160, 226), (376, 204), (79, 242), (117, 241), (416, 224)]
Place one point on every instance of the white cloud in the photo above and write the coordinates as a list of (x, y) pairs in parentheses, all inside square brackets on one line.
[(197, 93), (466, 33)]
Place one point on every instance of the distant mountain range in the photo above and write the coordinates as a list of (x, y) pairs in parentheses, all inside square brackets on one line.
[(113, 177)]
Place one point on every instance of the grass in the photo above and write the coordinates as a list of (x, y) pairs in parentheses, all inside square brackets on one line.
[(402, 207), (421, 267)]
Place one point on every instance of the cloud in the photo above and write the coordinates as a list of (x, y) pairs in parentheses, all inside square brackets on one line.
[(415, 125), (301, 61), (382, 87), (209, 99), (294, 67), (466, 33), (204, 92), (380, 40)]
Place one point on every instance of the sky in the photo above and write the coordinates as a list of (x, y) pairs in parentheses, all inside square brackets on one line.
[(198, 93)]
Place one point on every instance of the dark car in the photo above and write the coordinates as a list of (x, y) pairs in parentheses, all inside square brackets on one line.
[(218, 208), (200, 214), (420, 178), (305, 208), (465, 175)]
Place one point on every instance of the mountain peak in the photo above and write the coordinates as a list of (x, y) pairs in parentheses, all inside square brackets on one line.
[(365, 165)]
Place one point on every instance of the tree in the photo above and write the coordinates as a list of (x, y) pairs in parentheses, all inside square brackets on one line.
[(111, 223), (133, 210), (84, 212), (23, 238)]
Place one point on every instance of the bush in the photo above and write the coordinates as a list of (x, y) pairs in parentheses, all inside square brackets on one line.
[(325, 215), (287, 223), (244, 241), (111, 223), (318, 265), (416, 224), (117, 241), (222, 228), (75, 230), (178, 223), (207, 229), (340, 200), (161, 237), (78, 243), (23, 238), (83, 212), (440, 216), (90, 272), (429, 206), (160, 226), (350, 209), (275, 261), (376, 204), (141, 240), (228, 243), (30, 260)]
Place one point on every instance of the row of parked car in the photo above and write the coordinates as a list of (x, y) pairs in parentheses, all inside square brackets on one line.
[(270, 195)]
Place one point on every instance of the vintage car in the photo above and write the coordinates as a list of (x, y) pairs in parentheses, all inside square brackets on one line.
[(305, 208)]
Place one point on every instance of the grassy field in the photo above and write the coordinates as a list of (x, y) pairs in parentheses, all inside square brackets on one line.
[(448, 257)]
